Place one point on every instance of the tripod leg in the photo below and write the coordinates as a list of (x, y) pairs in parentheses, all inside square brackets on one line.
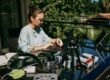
[(77, 55)]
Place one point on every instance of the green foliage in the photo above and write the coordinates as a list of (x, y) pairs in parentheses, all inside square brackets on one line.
[(66, 11)]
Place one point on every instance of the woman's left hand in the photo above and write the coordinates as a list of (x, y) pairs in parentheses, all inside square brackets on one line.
[(59, 42), (56, 42)]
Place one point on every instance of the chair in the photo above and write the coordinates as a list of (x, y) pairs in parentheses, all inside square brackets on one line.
[(98, 43)]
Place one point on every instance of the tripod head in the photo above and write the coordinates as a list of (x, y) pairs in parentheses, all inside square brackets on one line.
[(72, 43)]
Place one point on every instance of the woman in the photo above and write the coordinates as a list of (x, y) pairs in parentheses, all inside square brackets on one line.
[(32, 38)]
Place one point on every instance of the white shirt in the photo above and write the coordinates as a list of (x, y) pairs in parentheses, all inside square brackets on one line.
[(30, 37)]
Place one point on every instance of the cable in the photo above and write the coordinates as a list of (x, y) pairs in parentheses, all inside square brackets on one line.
[(2, 78)]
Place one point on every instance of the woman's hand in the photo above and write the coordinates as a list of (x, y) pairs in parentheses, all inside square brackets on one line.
[(47, 46), (59, 42), (43, 47), (54, 44)]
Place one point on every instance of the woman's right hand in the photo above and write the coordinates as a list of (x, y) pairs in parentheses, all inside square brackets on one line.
[(42, 48), (48, 46)]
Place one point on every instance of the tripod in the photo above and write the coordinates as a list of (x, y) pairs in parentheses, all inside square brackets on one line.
[(72, 46)]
